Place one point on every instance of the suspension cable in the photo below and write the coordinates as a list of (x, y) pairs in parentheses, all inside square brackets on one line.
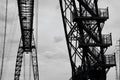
[(4, 43), (36, 12)]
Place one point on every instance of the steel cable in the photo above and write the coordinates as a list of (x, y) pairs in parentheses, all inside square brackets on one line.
[(4, 40), (36, 11)]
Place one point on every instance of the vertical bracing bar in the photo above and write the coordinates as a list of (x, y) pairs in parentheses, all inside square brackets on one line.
[(27, 42)]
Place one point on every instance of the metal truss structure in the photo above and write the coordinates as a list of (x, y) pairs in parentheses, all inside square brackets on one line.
[(83, 23), (27, 42)]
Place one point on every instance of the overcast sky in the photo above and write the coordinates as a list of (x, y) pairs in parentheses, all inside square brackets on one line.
[(52, 51)]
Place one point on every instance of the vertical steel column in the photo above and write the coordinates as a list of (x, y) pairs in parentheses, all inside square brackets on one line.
[(27, 42)]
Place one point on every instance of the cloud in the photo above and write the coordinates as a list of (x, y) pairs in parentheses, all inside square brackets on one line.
[(55, 62), (2, 19), (1, 35), (58, 39), (56, 54), (59, 69), (11, 13)]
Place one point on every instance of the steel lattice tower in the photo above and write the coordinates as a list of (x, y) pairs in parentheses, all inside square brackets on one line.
[(83, 23), (27, 42)]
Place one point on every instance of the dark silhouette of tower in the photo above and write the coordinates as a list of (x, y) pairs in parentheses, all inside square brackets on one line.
[(83, 23), (27, 42)]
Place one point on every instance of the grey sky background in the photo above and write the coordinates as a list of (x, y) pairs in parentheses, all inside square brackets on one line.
[(52, 51)]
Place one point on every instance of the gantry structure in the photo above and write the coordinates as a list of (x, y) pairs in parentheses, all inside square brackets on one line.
[(83, 23), (27, 42)]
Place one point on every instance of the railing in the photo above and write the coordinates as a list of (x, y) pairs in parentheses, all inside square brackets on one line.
[(107, 39), (110, 59), (103, 12)]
